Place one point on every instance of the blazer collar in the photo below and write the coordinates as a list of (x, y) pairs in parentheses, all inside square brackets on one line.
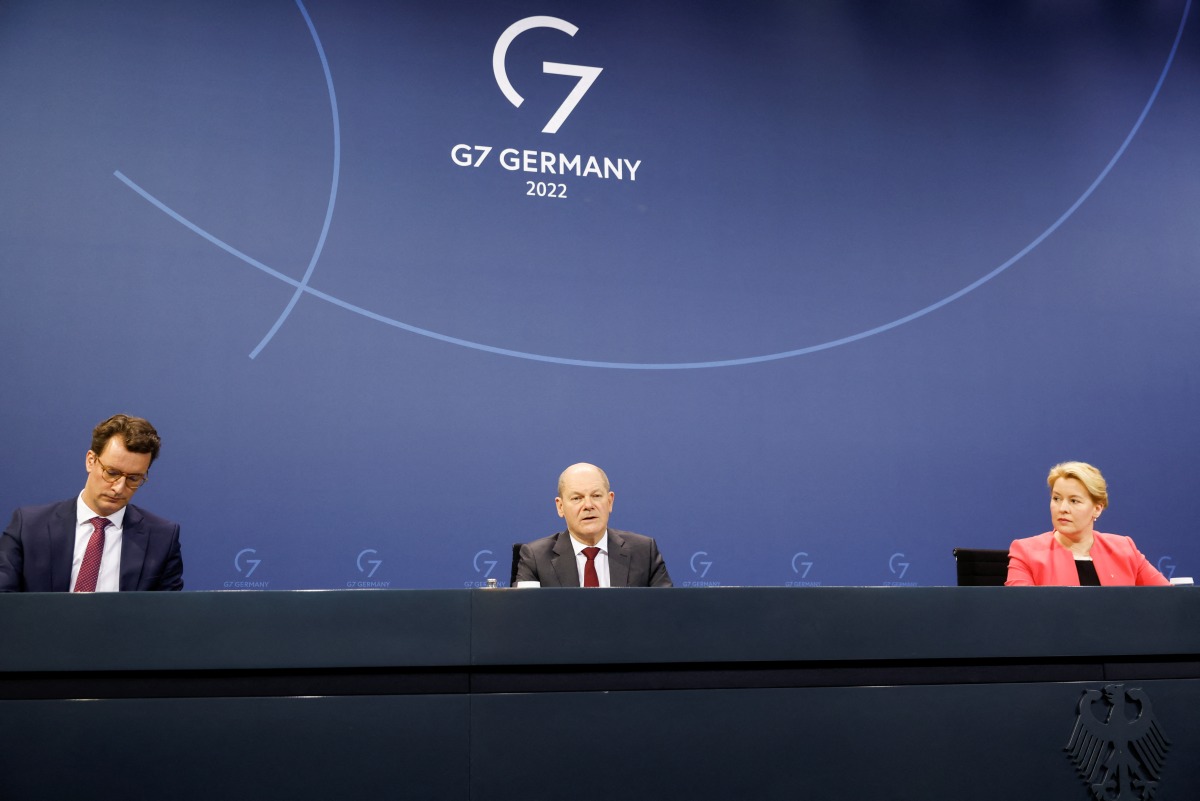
[(567, 571), (618, 559), (564, 561), (61, 533), (134, 538)]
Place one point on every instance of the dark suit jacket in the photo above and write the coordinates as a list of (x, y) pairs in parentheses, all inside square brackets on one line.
[(633, 561), (37, 548)]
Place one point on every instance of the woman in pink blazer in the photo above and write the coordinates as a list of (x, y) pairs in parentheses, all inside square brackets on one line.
[(1074, 553)]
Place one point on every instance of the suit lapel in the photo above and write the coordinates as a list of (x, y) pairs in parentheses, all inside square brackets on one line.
[(618, 559), (133, 549), (564, 561), (1108, 569), (61, 536), (1064, 572)]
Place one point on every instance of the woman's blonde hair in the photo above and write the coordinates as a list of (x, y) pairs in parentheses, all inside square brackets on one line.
[(1086, 475)]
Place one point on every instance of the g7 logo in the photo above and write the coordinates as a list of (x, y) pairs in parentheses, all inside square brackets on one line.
[(491, 563), (587, 75), (253, 563), (797, 564), (374, 563)]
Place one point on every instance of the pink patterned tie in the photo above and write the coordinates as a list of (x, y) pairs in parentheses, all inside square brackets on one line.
[(89, 569), (590, 578)]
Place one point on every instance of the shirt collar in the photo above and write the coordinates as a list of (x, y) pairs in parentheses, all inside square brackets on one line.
[(578, 546)]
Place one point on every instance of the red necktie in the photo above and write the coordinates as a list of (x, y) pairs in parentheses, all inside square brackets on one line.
[(590, 579), (89, 569)]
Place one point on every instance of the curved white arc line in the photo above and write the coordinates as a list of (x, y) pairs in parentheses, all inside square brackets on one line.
[(512, 32), (191, 226), (333, 186), (696, 365)]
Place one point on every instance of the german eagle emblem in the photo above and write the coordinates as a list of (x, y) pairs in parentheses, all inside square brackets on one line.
[(1117, 745)]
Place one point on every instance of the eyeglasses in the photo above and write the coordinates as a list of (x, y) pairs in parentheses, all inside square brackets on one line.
[(132, 480)]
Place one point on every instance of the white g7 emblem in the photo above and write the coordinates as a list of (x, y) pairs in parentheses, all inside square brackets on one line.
[(587, 75)]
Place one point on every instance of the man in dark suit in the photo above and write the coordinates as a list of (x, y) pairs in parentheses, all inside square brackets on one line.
[(603, 556), (97, 542)]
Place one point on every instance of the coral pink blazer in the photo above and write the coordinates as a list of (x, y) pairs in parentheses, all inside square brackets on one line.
[(1041, 561)]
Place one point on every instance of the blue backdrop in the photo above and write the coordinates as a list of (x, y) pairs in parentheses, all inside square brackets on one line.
[(833, 284)]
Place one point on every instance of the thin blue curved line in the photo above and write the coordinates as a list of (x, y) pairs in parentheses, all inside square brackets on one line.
[(302, 287), (333, 187)]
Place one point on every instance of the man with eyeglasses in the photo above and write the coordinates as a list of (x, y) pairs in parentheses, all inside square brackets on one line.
[(97, 542)]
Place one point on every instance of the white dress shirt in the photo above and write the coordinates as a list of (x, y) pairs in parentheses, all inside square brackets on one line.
[(601, 560), (110, 560)]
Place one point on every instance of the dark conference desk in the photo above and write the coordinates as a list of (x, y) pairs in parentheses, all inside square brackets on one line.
[(720, 693)]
